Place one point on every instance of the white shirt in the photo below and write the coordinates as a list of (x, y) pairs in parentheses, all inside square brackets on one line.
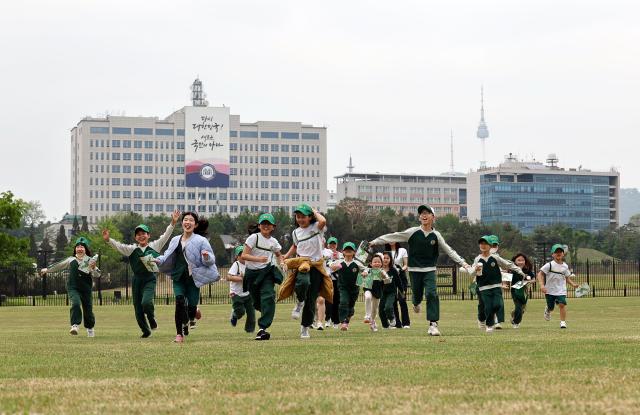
[(235, 287), (308, 241), (399, 256), (329, 258), (556, 277), (261, 246)]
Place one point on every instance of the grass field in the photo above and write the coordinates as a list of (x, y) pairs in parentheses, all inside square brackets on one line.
[(592, 367)]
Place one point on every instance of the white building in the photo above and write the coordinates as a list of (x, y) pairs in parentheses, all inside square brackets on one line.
[(138, 164), (446, 193)]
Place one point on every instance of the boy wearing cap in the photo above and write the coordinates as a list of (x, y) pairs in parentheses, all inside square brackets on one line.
[(240, 299), (486, 267), (143, 284), (347, 271), (557, 274), (79, 284), (331, 255), (424, 245)]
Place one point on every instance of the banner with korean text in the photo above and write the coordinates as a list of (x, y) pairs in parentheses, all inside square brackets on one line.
[(206, 146)]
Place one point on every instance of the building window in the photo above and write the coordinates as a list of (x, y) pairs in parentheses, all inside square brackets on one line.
[(291, 136), (99, 130), (264, 147), (310, 136), (275, 172), (121, 130), (284, 147), (274, 160), (233, 133), (268, 134), (233, 146), (295, 148), (248, 134), (143, 131), (164, 131)]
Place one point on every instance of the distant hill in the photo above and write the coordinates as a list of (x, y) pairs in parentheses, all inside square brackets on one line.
[(629, 204)]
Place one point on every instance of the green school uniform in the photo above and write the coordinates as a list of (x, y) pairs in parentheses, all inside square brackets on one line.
[(349, 290)]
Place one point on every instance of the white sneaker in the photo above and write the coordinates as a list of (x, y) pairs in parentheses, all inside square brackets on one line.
[(516, 326), (392, 323), (91, 333), (433, 330), (327, 324), (489, 329), (497, 326), (315, 325), (406, 327), (297, 310), (74, 330), (373, 326), (563, 325), (547, 313), (416, 309), (482, 325), (304, 332)]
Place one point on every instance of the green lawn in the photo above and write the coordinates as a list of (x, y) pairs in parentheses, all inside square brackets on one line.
[(592, 367)]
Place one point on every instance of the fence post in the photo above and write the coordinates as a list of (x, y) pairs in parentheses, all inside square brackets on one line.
[(99, 281), (587, 270), (15, 280), (625, 290), (44, 287), (126, 283), (613, 265), (454, 280)]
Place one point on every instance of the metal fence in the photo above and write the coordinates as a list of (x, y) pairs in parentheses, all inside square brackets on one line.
[(20, 285)]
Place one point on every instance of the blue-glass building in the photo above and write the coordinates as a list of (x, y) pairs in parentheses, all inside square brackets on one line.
[(529, 195)]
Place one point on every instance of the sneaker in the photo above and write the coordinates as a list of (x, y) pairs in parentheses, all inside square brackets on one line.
[(489, 329), (406, 327), (516, 326), (74, 330), (416, 309), (315, 325), (344, 326), (153, 323), (179, 339), (433, 330), (373, 326), (367, 320), (328, 324), (198, 314), (392, 323), (304, 332), (192, 324), (320, 327), (145, 335), (482, 325), (297, 310), (336, 326), (262, 334), (91, 333), (392, 327), (547, 313), (497, 326), (563, 325), (233, 320)]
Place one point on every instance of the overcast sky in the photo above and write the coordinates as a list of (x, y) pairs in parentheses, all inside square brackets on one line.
[(388, 79)]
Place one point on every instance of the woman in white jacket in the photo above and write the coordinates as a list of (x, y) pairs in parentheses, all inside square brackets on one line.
[(191, 263)]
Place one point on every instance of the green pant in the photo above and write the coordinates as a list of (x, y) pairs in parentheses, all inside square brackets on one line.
[(81, 303), (307, 288), (385, 309), (519, 298), (492, 299), (424, 284), (143, 290), (187, 288), (242, 305), (348, 296), (261, 286), (481, 316)]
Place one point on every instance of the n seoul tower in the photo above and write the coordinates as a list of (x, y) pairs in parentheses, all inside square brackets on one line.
[(483, 131)]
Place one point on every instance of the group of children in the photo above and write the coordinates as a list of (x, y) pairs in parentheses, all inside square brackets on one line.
[(316, 275)]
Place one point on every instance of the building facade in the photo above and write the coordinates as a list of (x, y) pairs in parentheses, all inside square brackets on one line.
[(531, 194), (138, 164), (446, 193)]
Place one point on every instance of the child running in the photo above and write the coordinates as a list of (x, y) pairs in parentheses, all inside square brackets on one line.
[(190, 261), (81, 270), (241, 300), (332, 255), (489, 279), (424, 248), (389, 290), (143, 285), (347, 272), (519, 295), (372, 281), (261, 273), (557, 274)]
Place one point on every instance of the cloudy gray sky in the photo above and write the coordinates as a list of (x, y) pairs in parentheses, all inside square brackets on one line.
[(388, 79)]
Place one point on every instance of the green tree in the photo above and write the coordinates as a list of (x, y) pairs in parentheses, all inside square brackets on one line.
[(75, 229), (222, 256), (12, 249), (33, 247), (85, 225), (61, 244)]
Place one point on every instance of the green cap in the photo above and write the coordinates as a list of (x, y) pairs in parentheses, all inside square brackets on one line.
[(555, 247), (422, 208), (267, 217), (84, 241), (332, 240), (349, 245), (304, 209), (494, 240), (143, 227), (485, 238), (238, 250)]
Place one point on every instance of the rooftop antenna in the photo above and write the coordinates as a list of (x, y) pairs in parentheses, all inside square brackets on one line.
[(483, 131), (198, 97), (350, 166)]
